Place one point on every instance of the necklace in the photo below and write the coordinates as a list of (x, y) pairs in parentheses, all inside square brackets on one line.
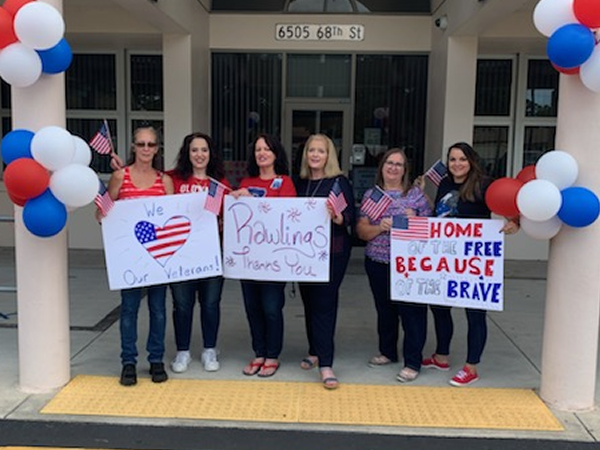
[(314, 191)]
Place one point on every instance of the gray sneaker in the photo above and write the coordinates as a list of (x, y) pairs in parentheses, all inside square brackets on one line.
[(209, 359), (181, 362)]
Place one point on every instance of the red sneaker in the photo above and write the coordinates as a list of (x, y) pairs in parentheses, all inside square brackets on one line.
[(464, 377), (432, 363)]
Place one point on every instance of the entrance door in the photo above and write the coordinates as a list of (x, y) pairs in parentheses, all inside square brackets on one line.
[(302, 120)]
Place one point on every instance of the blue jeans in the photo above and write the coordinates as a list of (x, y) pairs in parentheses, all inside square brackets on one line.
[(264, 301), (413, 315), (320, 309), (476, 335), (130, 306), (209, 297)]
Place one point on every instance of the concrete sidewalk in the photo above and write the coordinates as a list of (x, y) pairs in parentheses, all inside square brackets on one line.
[(511, 359)]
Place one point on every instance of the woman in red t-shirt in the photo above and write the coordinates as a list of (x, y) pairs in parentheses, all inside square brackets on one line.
[(264, 300), (197, 162)]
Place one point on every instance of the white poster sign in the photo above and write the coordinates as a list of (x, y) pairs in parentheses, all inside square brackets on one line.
[(276, 239), (451, 262), (157, 240)]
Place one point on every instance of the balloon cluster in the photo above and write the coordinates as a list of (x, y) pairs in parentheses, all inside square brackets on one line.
[(47, 173), (31, 42), (544, 196)]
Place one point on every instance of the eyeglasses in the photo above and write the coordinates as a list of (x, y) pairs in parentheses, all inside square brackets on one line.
[(394, 164), (145, 144)]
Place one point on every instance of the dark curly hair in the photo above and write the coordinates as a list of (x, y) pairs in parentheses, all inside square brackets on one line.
[(183, 166)]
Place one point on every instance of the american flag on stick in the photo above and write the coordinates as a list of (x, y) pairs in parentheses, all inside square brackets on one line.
[(214, 199), (101, 141), (437, 172), (410, 228), (375, 204), (336, 198), (103, 201)]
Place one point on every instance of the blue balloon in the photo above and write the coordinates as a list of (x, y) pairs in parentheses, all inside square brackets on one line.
[(580, 207), (16, 144), (571, 45), (44, 216), (56, 59)]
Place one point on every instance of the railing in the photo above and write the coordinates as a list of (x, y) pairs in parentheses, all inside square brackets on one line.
[(5, 219)]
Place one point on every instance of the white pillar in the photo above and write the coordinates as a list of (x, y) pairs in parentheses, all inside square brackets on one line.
[(570, 344), (41, 263)]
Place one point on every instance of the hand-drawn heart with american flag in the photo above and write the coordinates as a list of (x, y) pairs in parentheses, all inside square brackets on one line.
[(163, 242)]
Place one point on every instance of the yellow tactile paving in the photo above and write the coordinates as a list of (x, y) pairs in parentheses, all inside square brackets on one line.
[(273, 401)]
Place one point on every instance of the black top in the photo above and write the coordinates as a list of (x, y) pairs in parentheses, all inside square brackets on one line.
[(449, 204), (340, 237)]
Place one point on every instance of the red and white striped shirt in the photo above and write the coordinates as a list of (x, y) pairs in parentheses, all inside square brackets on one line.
[(129, 190)]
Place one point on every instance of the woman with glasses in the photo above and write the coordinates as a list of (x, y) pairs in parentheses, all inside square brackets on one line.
[(392, 187), (142, 178)]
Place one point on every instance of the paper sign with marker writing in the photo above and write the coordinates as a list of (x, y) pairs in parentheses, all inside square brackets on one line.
[(451, 262), (276, 239), (158, 240)]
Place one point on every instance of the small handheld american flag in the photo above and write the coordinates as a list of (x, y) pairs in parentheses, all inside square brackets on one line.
[(103, 200), (410, 228), (101, 142), (437, 172), (214, 198), (336, 198), (376, 203)]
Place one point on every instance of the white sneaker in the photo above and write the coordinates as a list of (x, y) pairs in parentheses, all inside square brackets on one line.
[(181, 362), (209, 359)]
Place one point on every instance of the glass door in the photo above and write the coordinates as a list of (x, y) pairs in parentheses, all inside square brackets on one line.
[(302, 120)]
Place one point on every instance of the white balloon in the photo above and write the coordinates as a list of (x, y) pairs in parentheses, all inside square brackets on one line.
[(83, 154), (74, 185), (550, 15), (20, 66), (53, 147), (589, 71), (546, 229), (539, 200), (39, 25), (558, 167)]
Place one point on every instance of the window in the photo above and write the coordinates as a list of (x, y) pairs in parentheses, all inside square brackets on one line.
[(246, 100), (493, 87), (390, 107), (322, 76), (515, 112), (92, 82)]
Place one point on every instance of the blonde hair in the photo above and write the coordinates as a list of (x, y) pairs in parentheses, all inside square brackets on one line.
[(332, 166)]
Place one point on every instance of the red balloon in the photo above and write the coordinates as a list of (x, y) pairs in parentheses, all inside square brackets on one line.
[(571, 71), (527, 173), (587, 12), (12, 6), (501, 196), (26, 178), (17, 200), (7, 32)]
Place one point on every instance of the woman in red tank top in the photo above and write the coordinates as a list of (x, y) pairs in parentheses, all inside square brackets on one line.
[(141, 178)]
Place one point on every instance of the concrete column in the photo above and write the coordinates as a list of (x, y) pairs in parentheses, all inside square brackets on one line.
[(452, 75), (41, 263), (185, 81), (570, 344)]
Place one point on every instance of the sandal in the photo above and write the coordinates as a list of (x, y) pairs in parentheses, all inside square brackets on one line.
[(407, 375), (253, 367), (268, 369), (329, 379), (379, 360), (309, 363)]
